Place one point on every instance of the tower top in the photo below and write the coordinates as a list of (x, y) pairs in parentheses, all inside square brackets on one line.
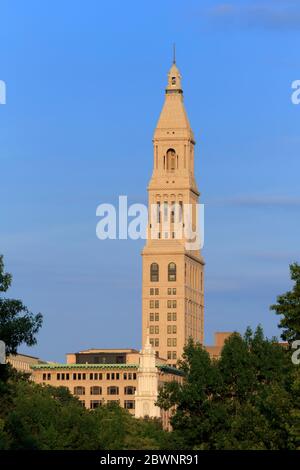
[(174, 79)]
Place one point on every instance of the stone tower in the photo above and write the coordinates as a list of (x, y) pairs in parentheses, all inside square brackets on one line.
[(173, 278)]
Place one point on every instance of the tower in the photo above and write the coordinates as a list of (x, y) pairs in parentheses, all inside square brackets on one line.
[(147, 384), (172, 286)]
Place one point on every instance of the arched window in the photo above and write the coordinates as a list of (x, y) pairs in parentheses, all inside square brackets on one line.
[(112, 390), (129, 390), (95, 390), (154, 272), (171, 160), (79, 390), (172, 272)]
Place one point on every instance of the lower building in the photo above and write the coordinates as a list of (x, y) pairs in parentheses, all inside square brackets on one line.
[(124, 376), (23, 362)]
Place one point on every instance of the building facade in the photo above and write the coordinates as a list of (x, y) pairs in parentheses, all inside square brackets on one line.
[(127, 377), (173, 270)]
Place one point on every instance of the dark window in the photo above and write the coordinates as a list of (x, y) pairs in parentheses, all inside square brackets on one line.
[(96, 390), (95, 403), (129, 390), (154, 272), (112, 390), (129, 404), (172, 272)]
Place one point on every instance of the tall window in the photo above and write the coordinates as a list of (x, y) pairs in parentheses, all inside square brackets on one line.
[(154, 272), (171, 160), (79, 390), (172, 272)]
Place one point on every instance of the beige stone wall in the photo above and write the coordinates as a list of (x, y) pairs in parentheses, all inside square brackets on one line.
[(122, 378)]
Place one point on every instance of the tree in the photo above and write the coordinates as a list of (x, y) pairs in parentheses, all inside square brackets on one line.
[(288, 306), (17, 324), (242, 401)]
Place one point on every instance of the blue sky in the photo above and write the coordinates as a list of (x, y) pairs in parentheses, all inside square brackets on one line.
[(85, 85)]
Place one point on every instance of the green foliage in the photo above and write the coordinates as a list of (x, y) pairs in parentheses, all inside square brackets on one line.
[(49, 418), (17, 324), (288, 306), (243, 401)]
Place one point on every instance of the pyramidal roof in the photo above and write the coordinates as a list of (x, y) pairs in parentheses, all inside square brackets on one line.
[(173, 115)]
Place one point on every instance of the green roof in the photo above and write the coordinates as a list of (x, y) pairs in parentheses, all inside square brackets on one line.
[(84, 366), (169, 369)]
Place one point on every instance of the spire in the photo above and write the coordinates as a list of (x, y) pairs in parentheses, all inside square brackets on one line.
[(173, 115)]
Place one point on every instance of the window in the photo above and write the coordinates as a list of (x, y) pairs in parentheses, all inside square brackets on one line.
[(129, 390), (169, 291), (112, 390), (44, 376), (48, 376), (134, 376), (57, 376), (171, 160), (125, 376), (154, 342), (74, 376), (151, 291), (108, 376), (174, 355), (95, 403), (173, 80), (174, 316), (129, 404), (172, 329), (154, 272), (156, 291), (169, 354), (156, 303), (174, 290), (151, 303), (172, 212), (174, 304), (151, 316), (79, 390), (151, 330), (172, 272), (96, 390), (156, 330), (156, 316), (172, 342)]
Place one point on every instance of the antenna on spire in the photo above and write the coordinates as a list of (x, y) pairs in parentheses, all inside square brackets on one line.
[(174, 53)]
